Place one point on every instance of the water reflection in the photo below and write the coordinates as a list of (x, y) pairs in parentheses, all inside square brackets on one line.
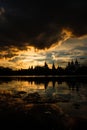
[(43, 100), (49, 88), (68, 93)]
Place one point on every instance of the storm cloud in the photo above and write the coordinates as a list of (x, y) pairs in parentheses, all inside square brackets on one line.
[(40, 23)]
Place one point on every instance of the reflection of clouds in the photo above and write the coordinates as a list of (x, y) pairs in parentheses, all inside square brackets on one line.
[(15, 86), (51, 90)]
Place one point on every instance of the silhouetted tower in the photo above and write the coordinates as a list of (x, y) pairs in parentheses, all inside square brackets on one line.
[(45, 65), (53, 66), (68, 64), (72, 63), (76, 64)]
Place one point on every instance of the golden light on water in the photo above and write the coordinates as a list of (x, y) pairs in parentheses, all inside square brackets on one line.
[(17, 86)]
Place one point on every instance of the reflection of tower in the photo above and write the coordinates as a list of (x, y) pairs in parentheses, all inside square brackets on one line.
[(45, 84), (77, 87), (73, 85), (59, 82), (53, 82)]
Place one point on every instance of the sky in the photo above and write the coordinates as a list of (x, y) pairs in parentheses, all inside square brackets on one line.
[(32, 32)]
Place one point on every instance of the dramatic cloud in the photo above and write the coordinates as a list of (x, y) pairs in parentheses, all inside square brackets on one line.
[(40, 24), (32, 32)]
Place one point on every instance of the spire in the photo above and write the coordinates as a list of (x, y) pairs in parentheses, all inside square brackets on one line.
[(77, 65), (76, 62), (45, 65), (53, 66), (72, 63)]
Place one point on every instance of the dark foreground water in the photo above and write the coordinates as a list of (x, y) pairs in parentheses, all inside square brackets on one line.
[(50, 103)]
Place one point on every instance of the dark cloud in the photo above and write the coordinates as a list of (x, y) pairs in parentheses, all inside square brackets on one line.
[(82, 58), (39, 23)]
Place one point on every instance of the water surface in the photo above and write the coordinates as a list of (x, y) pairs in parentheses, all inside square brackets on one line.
[(68, 93)]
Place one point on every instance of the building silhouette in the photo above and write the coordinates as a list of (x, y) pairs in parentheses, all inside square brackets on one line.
[(72, 68)]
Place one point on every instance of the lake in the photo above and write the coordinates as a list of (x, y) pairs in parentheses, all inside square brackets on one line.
[(68, 93)]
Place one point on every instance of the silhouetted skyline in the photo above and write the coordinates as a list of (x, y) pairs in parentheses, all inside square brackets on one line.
[(72, 68)]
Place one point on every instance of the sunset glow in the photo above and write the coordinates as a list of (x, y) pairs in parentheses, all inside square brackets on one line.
[(31, 35)]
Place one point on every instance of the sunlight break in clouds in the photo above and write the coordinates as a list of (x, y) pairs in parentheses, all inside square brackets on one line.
[(60, 53), (31, 56)]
